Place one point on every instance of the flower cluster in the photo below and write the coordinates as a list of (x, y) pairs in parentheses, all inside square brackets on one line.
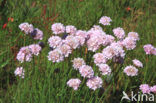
[(149, 49), (74, 83), (19, 71), (33, 32), (145, 88), (25, 53)]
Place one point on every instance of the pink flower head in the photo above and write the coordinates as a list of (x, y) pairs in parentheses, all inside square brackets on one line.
[(94, 83), (129, 43), (55, 56), (72, 41), (24, 54), (74, 83), (153, 89), (65, 49), (80, 39), (110, 39), (145, 88), (131, 71), (78, 62), (58, 28), (119, 32), (54, 41), (81, 33), (19, 71), (148, 48), (71, 29), (105, 69), (35, 49), (86, 71), (133, 35), (105, 20), (27, 28), (137, 63), (96, 27), (39, 34), (99, 58)]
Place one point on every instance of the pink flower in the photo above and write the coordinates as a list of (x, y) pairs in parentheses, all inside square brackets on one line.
[(86, 71), (81, 33), (148, 48), (74, 83), (24, 54), (94, 83), (35, 49), (19, 71), (39, 35), (131, 71), (65, 49), (78, 62), (119, 32), (72, 41), (145, 88), (96, 27), (99, 58), (137, 63), (153, 89), (80, 39), (55, 56), (27, 28), (58, 28), (105, 20), (54, 41), (110, 39), (129, 43), (105, 69), (71, 29), (133, 35)]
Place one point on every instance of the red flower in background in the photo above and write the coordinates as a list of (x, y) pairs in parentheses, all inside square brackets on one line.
[(4, 26), (128, 8)]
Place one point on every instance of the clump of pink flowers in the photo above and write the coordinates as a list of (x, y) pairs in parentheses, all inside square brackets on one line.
[(78, 62), (105, 20), (94, 83), (149, 49), (74, 83), (86, 71), (131, 71), (19, 72), (145, 88), (137, 63), (119, 32), (58, 28)]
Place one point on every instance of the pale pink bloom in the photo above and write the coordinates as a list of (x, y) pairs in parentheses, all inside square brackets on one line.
[(129, 43), (78, 62), (35, 49), (71, 29), (105, 20), (105, 69), (24, 54), (154, 51), (65, 49), (55, 56), (110, 39), (131, 71), (86, 71), (99, 58), (19, 72), (148, 48), (153, 89), (27, 28), (81, 33), (74, 83), (72, 41), (133, 35), (81, 40), (137, 63), (39, 34), (96, 27), (94, 83), (58, 28), (145, 88), (119, 32), (54, 41)]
